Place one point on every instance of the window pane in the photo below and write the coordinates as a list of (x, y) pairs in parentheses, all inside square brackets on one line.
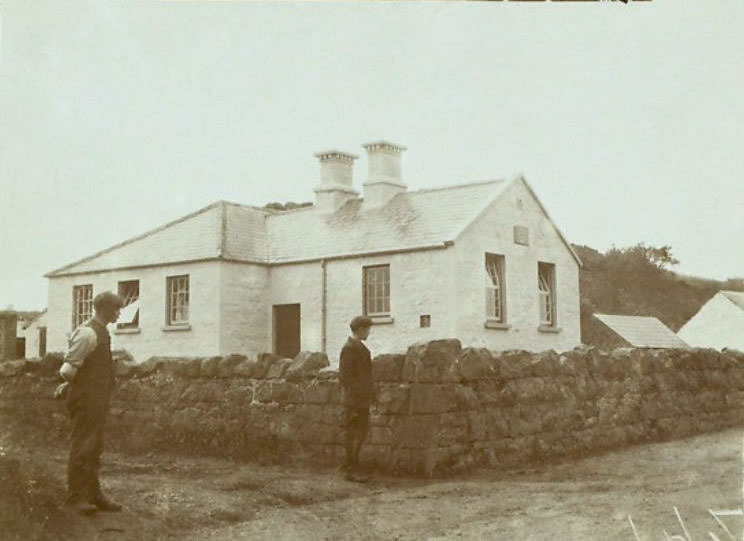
[(377, 290)]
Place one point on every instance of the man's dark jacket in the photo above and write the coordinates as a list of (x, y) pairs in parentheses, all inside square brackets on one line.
[(355, 373)]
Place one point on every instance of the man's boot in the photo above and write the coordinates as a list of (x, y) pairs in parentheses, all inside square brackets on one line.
[(80, 506), (104, 504)]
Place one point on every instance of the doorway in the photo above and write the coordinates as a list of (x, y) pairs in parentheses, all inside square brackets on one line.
[(42, 341), (287, 330)]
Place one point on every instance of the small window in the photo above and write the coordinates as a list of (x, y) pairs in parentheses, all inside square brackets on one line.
[(82, 304), (546, 292), (377, 290), (495, 290), (129, 293), (178, 300), (425, 321)]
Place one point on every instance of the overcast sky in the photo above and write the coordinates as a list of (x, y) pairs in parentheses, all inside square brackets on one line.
[(116, 117)]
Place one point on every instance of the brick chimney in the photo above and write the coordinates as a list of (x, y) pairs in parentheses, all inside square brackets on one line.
[(383, 179), (336, 180)]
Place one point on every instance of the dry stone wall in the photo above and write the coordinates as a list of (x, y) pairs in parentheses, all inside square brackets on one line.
[(440, 408)]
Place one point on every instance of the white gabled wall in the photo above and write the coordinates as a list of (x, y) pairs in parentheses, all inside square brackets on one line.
[(718, 324), (201, 339), (31, 334), (493, 232)]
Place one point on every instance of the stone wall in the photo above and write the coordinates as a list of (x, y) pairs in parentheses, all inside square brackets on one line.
[(440, 408)]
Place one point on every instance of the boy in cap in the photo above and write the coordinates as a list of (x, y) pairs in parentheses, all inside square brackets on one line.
[(355, 376), (88, 371)]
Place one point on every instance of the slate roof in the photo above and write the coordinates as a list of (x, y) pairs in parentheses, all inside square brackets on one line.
[(642, 332), (737, 297), (411, 220)]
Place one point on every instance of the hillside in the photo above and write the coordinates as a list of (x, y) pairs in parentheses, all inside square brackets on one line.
[(637, 281)]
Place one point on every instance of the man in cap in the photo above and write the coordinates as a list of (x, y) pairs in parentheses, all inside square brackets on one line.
[(88, 371), (355, 375)]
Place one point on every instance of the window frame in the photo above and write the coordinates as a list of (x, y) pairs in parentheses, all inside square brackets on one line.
[(495, 293), (385, 299), (87, 303), (546, 285), (170, 281), (134, 324)]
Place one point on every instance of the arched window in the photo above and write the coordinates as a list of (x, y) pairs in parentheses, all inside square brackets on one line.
[(495, 291)]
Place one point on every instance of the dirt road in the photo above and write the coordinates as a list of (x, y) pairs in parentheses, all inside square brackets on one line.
[(582, 499)]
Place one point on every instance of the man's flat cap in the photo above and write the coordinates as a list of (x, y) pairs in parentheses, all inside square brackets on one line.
[(107, 299), (360, 322)]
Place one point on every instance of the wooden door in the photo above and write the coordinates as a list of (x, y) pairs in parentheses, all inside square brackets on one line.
[(287, 330)]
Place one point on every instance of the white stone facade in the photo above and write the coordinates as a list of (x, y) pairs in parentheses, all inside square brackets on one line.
[(231, 302)]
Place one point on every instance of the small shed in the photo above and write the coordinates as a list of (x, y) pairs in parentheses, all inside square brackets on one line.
[(718, 324), (638, 331)]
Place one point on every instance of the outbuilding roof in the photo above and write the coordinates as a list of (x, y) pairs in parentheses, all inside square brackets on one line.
[(642, 332), (737, 297), (411, 220)]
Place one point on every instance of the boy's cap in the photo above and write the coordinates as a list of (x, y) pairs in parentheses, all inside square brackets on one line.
[(107, 299), (360, 322)]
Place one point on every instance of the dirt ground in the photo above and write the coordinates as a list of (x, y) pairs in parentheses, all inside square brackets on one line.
[(592, 498)]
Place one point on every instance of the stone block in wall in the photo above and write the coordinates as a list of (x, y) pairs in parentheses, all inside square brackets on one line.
[(306, 365), (733, 355), (50, 364), (202, 391), (416, 431), (208, 367), (514, 364), (432, 362), (328, 373), (263, 363), (573, 362), (466, 398), (476, 364), (546, 363), (245, 369), (497, 424), (388, 367), (239, 393), (125, 369), (277, 368), (432, 398), (586, 387), (392, 398), (278, 391), (12, 368), (377, 455), (488, 391), (609, 365), (227, 365), (522, 421), (528, 390), (322, 392), (185, 367)]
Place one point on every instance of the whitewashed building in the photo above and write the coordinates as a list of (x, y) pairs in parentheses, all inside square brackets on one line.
[(35, 337), (718, 324), (482, 262)]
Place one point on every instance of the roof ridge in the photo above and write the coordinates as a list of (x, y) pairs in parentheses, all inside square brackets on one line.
[(245, 206), (457, 186)]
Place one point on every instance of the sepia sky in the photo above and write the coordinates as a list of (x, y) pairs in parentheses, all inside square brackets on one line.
[(116, 117)]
